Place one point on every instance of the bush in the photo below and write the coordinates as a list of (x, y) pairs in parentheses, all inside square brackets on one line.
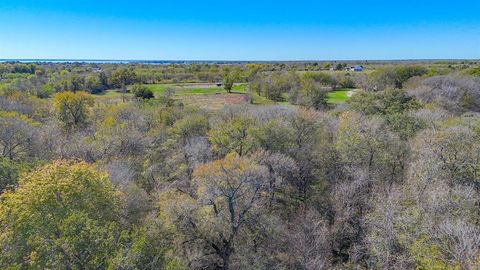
[(8, 174), (141, 91)]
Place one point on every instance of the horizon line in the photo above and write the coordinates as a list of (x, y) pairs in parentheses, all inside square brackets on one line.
[(79, 60)]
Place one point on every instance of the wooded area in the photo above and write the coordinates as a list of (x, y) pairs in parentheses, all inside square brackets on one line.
[(133, 166)]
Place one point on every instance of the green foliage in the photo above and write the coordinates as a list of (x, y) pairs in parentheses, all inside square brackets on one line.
[(383, 103), (474, 71), (228, 81), (346, 81), (141, 91), (403, 73), (404, 124), (394, 105), (233, 136), (274, 136), (428, 256), (230, 76), (9, 173), (61, 215), (393, 77), (366, 143), (191, 126), (322, 78), (340, 66), (314, 89), (24, 68), (175, 264), (147, 249), (47, 91), (123, 77), (274, 85), (245, 187), (338, 96), (93, 84), (14, 115)]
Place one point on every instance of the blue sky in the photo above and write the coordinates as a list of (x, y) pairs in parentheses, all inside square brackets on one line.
[(240, 30)]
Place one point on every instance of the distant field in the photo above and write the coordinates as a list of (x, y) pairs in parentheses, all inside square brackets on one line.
[(180, 90), (211, 96), (203, 95)]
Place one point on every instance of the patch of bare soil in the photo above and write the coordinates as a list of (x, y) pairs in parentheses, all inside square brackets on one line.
[(233, 98)]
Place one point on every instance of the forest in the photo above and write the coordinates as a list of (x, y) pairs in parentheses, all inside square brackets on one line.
[(255, 165)]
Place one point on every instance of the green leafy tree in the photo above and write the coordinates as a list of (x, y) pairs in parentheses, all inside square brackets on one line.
[(191, 126), (394, 105), (234, 136), (93, 84), (62, 216), (393, 77), (228, 81), (314, 91), (141, 91), (123, 77), (403, 73), (274, 135), (384, 102)]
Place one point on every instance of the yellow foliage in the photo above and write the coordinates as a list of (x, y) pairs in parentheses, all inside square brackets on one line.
[(68, 98), (60, 183), (72, 107), (22, 117), (428, 256), (232, 164), (62, 204)]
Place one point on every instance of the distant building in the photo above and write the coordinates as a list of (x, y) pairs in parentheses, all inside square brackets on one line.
[(357, 68)]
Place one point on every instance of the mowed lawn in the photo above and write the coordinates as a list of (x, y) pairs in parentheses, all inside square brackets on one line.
[(203, 95), (339, 96), (198, 93), (187, 92), (185, 89)]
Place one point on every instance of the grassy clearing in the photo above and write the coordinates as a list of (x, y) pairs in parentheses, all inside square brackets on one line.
[(193, 89), (204, 93), (339, 96), (181, 90)]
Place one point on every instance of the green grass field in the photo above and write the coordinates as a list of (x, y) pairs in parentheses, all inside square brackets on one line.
[(339, 96), (187, 91), (182, 90)]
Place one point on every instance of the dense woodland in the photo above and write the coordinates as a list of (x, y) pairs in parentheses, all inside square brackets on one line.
[(389, 179)]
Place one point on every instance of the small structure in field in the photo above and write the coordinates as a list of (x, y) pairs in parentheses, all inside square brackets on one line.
[(357, 68)]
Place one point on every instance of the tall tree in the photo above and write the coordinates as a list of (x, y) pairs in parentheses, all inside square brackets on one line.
[(227, 204), (62, 216), (72, 108)]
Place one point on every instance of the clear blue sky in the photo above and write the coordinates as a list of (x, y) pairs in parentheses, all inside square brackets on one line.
[(239, 30)]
